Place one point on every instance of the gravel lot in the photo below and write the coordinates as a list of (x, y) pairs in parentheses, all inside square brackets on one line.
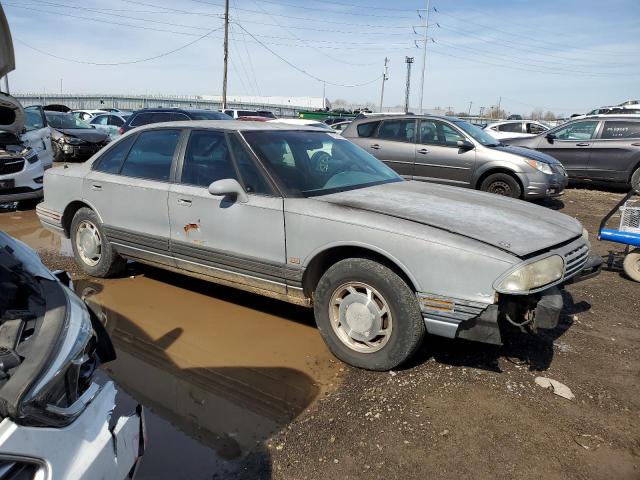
[(467, 410)]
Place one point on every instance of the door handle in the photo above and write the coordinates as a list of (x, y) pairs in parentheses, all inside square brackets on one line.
[(96, 186), (375, 146), (582, 144), (184, 202), (637, 144), (423, 151)]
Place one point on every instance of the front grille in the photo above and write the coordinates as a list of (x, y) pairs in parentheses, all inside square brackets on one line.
[(575, 260), (18, 470), (11, 166)]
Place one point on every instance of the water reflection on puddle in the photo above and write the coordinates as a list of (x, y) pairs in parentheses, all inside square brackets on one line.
[(25, 226)]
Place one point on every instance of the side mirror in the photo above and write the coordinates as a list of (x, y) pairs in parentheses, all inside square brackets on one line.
[(229, 186), (465, 145), (550, 137)]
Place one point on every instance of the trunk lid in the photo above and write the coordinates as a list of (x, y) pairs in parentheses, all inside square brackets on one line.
[(511, 225)]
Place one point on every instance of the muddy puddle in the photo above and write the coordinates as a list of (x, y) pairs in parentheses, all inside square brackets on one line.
[(25, 226), (218, 370)]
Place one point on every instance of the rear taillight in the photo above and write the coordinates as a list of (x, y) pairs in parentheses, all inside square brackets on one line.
[(121, 130)]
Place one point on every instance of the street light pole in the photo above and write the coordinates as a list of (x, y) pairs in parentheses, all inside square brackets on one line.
[(424, 54), (226, 54), (384, 79), (408, 61)]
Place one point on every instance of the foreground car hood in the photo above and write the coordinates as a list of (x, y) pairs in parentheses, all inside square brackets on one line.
[(91, 136), (511, 225)]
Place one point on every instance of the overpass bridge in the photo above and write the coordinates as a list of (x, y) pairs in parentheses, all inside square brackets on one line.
[(280, 106)]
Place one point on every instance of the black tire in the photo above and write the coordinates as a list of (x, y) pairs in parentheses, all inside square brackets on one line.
[(408, 327), (501, 184), (635, 178), (109, 263)]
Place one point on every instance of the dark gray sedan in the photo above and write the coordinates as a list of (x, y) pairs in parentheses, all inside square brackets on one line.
[(452, 151), (595, 148)]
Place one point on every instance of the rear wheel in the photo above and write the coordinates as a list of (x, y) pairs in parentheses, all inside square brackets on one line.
[(501, 184), (92, 251), (368, 315), (632, 265)]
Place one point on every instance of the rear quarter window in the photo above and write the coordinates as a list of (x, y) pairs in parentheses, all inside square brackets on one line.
[(367, 129), (620, 129)]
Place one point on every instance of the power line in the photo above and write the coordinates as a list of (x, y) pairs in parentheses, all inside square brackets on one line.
[(118, 63), (304, 72)]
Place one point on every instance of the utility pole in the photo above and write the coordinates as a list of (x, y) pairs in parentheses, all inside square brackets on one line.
[(324, 88), (384, 79), (226, 54), (470, 103), (408, 61), (499, 102), (60, 86), (424, 53)]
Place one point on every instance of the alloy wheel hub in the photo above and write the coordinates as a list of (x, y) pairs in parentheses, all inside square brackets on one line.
[(360, 316)]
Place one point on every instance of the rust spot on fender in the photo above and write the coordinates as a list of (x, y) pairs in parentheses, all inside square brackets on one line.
[(191, 226)]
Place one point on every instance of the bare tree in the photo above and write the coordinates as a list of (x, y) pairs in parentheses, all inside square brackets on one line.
[(549, 116), (537, 114)]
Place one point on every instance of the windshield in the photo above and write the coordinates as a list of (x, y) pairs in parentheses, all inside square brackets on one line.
[(64, 121), (477, 133), (317, 163), (204, 115)]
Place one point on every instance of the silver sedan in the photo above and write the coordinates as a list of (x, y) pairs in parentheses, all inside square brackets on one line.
[(306, 216)]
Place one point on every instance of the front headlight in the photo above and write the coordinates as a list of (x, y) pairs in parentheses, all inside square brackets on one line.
[(72, 140), (543, 167), (533, 275)]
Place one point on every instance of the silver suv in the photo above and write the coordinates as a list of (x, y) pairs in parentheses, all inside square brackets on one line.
[(451, 151)]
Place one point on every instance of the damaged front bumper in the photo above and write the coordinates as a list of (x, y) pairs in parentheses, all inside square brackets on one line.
[(92, 446), (454, 318)]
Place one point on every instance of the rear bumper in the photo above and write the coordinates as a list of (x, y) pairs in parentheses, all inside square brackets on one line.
[(93, 446)]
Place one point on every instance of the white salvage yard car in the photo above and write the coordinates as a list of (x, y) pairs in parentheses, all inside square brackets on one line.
[(515, 128), (25, 138)]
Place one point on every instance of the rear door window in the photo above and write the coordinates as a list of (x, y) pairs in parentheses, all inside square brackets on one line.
[(620, 129), (151, 155), (535, 128), (511, 127), (33, 119), (101, 120), (397, 130), (367, 130), (115, 121)]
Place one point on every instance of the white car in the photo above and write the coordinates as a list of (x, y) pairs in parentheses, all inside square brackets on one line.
[(235, 114), (515, 128), (109, 123), (302, 121), (87, 115)]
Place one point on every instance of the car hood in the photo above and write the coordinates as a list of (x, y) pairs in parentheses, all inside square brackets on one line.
[(88, 135), (7, 58), (11, 112), (528, 153), (515, 226)]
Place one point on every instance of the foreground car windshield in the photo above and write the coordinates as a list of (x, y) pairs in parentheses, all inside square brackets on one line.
[(66, 121), (478, 134), (310, 163)]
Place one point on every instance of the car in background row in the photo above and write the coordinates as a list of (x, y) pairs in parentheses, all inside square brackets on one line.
[(86, 115), (55, 415), (306, 216), (452, 151), (617, 110), (302, 121), (235, 114), (266, 113), (73, 139), (109, 123), (630, 104), (157, 115), (605, 148), (515, 128), (340, 126)]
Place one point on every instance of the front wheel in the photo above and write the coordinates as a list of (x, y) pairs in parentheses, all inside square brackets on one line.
[(631, 265), (635, 179), (368, 315), (502, 184)]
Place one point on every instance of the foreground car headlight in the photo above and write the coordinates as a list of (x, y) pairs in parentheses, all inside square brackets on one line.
[(543, 167), (72, 140), (533, 275)]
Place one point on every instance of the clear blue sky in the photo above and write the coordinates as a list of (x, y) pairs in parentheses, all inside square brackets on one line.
[(564, 55)]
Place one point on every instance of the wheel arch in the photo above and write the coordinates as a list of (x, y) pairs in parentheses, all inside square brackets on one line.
[(322, 259), (498, 169), (70, 211)]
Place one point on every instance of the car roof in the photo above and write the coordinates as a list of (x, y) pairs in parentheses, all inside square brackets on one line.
[(231, 125), (371, 118)]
